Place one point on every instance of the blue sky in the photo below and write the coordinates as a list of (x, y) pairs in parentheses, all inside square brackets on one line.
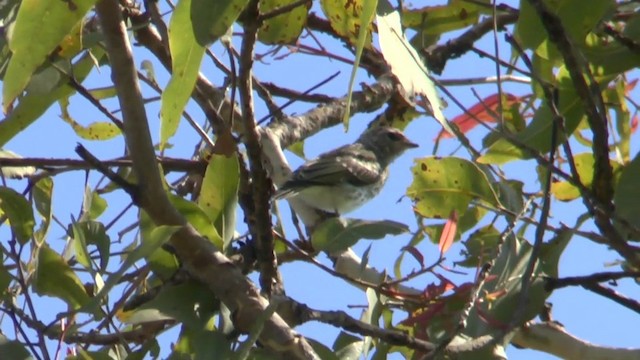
[(584, 314)]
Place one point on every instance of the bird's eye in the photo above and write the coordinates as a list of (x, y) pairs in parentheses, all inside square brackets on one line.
[(394, 136)]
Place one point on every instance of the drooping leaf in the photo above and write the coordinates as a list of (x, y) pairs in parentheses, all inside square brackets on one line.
[(449, 233), (338, 234), (365, 11), (161, 262), (210, 19), (18, 212), (55, 278), (87, 233), (186, 54), (198, 218), (42, 195), (59, 18), (626, 195), (219, 194), (441, 185), (99, 130), (406, 64), (33, 105)]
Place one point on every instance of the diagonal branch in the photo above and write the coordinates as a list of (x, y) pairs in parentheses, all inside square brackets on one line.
[(200, 257), (591, 96)]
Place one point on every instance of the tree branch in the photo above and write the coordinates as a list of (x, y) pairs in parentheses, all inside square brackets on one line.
[(200, 257)]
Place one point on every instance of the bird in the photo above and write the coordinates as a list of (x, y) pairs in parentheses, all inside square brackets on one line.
[(342, 180)]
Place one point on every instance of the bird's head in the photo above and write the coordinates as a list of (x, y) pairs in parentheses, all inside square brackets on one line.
[(386, 142)]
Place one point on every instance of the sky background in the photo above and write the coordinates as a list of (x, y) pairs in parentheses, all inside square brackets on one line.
[(584, 314)]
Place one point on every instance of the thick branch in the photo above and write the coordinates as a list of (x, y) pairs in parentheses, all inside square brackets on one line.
[(552, 338)]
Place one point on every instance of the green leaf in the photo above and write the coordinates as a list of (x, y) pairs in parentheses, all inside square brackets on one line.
[(19, 213), (33, 105), (158, 237), (42, 195), (58, 18), (338, 234), (627, 194), (565, 191), (219, 194), (55, 278), (210, 19), (13, 349), (178, 302), (348, 347), (161, 262), (197, 218), (365, 17), (501, 295), (284, 28), (577, 20), (537, 135), (406, 64), (199, 344), (186, 54), (480, 247), (347, 19), (442, 185), (439, 19), (87, 233)]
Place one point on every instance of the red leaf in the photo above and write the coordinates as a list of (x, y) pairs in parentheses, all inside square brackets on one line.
[(448, 233), (630, 86), (634, 124), (484, 111), (415, 253)]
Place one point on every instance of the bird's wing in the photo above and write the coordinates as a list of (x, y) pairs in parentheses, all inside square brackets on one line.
[(358, 167)]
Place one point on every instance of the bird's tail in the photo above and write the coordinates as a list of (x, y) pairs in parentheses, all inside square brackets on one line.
[(284, 193)]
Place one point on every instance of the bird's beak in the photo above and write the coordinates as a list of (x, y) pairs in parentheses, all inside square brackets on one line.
[(410, 144)]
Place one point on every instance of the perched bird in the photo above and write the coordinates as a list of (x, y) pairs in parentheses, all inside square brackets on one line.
[(343, 179)]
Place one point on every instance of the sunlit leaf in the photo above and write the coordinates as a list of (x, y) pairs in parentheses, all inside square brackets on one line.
[(208, 19), (59, 18), (441, 185), (284, 28), (365, 11), (19, 213), (406, 64), (186, 54), (219, 194)]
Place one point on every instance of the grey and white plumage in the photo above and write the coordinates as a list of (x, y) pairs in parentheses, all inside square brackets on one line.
[(343, 179)]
